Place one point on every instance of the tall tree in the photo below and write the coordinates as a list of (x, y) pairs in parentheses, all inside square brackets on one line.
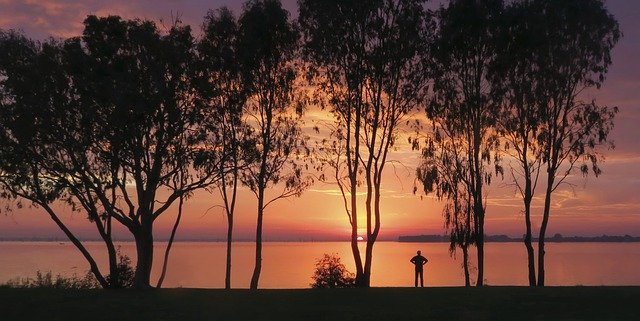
[(464, 48), (444, 172), (516, 77), (267, 47), (226, 127), (366, 59), (139, 85), (37, 146), (575, 55), (121, 116)]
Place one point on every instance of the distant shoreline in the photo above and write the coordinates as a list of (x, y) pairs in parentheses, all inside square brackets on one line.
[(401, 239), (558, 238)]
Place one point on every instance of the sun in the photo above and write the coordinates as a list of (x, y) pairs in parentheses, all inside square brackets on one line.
[(360, 238)]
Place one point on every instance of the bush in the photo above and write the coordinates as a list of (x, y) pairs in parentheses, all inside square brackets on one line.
[(125, 272), (331, 273), (47, 280)]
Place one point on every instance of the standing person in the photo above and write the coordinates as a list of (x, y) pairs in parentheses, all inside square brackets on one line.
[(419, 261)]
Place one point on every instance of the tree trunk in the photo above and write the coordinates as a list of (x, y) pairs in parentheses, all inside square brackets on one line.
[(527, 241), (366, 281), (258, 265), (543, 228), (114, 272), (480, 247), (144, 250), (170, 243), (361, 279), (465, 263), (227, 278), (478, 208), (92, 263)]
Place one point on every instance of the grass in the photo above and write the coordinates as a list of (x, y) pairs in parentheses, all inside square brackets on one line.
[(489, 303)]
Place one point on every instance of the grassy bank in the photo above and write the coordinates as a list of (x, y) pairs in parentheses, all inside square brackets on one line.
[(489, 303)]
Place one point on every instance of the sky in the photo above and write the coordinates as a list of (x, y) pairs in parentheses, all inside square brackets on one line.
[(609, 204)]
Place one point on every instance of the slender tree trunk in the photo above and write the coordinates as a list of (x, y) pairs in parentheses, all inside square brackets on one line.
[(465, 263), (528, 239), (480, 247), (543, 226), (478, 208), (144, 250), (374, 230), (92, 263), (361, 279), (227, 278), (258, 264), (368, 253), (105, 232), (170, 243), (360, 276), (527, 198), (366, 282), (114, 272)]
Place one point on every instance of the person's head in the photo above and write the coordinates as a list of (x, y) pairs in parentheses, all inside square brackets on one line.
[(419, 252)]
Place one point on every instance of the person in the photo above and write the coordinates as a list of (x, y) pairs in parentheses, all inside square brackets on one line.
[(419, 261)]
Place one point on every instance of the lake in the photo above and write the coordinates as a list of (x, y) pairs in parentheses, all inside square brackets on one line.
[(291, 264)]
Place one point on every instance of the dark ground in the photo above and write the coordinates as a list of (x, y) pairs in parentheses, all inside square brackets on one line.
[(489, 303)]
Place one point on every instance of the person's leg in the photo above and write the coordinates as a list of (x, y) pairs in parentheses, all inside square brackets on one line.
[(416, 279), (421, 279)]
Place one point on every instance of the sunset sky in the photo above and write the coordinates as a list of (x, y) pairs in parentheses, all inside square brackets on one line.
[(609, 204)]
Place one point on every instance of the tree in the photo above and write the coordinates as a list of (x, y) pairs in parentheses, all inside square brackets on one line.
[(267, 48), (117, 131), (366, 59), (331, 273), (37, 146), (516, 77), (464, 48), (575, 55), (226, 127), (138, 82), (443, 172)]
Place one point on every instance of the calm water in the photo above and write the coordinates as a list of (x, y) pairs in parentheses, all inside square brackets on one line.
[(290, 265)]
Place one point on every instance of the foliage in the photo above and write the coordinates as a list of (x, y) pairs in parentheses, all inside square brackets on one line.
[(267, 45), (463, 114), (124, 273), (574, 55), (114, 109), (331, 273), (47, 280)]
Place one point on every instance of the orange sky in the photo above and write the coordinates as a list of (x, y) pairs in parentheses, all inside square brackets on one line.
[(606, 205)]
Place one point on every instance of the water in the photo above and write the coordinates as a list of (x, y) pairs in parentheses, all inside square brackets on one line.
[(290, 265)]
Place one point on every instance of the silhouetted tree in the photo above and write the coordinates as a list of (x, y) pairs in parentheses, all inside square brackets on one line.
[(139, 85), (575, 55), (462, 107), (114, 133), (516, 77), (366, 60), (226, 127), (41, 136), (267, 47), (444, 172)]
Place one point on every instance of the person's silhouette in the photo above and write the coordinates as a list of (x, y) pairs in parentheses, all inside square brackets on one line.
[(419, 261)]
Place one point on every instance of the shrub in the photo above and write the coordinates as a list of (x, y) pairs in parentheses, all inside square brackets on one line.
[(47, 280), (331, 273), (125, 273)]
